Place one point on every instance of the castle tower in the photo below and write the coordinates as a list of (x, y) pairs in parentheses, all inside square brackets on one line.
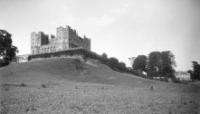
[(62, 38), (37, 40), (35, 43), (86, 43)]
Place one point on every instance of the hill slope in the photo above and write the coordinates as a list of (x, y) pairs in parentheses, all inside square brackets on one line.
[(68, 69), (67, 85)]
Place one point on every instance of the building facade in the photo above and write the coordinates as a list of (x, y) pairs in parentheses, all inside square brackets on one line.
[(20, 59), (65, 39), (183, 76)]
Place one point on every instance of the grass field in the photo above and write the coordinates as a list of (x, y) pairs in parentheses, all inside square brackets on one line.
[(68, 86)]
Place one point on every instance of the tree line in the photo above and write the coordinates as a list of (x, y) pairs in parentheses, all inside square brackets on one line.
[(156, 64)]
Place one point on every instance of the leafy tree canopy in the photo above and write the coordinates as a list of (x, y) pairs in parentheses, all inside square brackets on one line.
[(140, 63), (7, 50), (104, 55), (195, 72), (161, 64)]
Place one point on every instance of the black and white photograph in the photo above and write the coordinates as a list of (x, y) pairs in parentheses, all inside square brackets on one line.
[(99, 56)]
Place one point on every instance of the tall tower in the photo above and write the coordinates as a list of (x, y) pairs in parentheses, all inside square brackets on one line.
[(37, 40), (86, 43), (62, 38), (35, 43)]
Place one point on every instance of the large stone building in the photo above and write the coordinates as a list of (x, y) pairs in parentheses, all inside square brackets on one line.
[(65, 39)]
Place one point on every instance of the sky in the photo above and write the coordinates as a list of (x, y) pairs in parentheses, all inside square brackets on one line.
[(120, 28)]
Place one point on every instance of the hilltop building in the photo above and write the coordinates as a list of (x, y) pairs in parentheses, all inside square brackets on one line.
[(65, 39)]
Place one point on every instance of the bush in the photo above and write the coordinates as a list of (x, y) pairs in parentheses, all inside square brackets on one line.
[(151, 88), (44, 86), (23, 85)]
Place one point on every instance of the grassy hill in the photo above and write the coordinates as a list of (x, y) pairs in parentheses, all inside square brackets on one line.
[(68, 69), (68, 85)]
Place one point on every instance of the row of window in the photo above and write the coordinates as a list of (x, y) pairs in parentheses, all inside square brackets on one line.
[(47, 49)]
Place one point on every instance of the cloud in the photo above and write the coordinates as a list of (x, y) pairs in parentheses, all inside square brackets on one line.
[(120, 10), (102, 21), (110, 16)]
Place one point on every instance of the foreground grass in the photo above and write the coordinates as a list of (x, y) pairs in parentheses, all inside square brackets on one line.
[(85, 98), (56, 86)]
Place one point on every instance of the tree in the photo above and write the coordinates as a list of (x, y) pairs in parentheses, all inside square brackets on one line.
[(104, 55), (7, 50), (168, 64), (154, 64), (140, 63), (122, 66), (113, 60), (161, 64), (196, 70)]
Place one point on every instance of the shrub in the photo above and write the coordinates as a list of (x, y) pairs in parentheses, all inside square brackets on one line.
[(23, 85), (44, 86), (6, 88), (151, 88)]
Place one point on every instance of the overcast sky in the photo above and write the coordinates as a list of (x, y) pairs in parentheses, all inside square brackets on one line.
[(120, 28)]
